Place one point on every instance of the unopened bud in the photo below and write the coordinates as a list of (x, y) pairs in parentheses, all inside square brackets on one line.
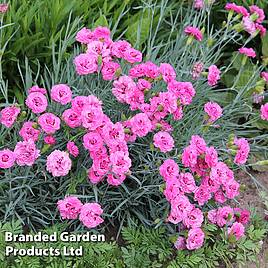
[(160, 108), (35, 125), (99, 60), (45, 148), (118, 72), (127, 131)]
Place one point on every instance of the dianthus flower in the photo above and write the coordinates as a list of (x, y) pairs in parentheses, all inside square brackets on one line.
[(26, 153), (249, 52), (264, 112), (195, 239), (242, 151), (90, 215), (72, 148), (195, 32), (37, 102), (9, 115), (58, 163), (163, 141), (69, 207), (84, 36), (7, 158), (61, 93), (237, 230), (213, 110), (213, 75), (49, 123), (28, 132)]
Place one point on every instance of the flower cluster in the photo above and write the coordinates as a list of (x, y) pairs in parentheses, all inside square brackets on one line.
[(207, 178), (252, 19), (234, 219), (105, 141), (89, 214), (134, 88)]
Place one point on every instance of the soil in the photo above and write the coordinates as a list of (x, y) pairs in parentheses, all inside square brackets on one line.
[(250, 198)]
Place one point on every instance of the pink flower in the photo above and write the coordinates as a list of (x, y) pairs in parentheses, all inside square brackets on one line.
[(120, 162), (169, 169), (28, 132), (109, 70), (163, 141), (180, 243), (86, 64), (202, 195), (49, 140), (220, 197), (91, 117), (98, 48), (211, 157), (84, 36), (182, 90), (37, 89), (101, 33), (195, 239), (199, 143), (224, 215), (242, 151), (213, 110), (264, 75), (197, 70), (168, 72), (123, 86), (189, 156), (261, 29), (238, 9), (72, 118), (37, 102), (69, 207), (49, 122), (264, 112), (7, 158), (242, 216), (92, 141), (79, 103), (90, 215), (232, 189), (94, 175), (61, 93), (102, 165), (249, 25), (72, 148), (151, 70), (249, 52), (9, 115), (143, 84), (213, 75), (119, 48), (187, 182), (140, 124), (113, 133), (26, 153), (58, 163), (212, 216), (195, 32), (180, 206), (237, 230), (132, 55), (194, 218), (256, 10), (198, 4), (221, 173), (3, 8)]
